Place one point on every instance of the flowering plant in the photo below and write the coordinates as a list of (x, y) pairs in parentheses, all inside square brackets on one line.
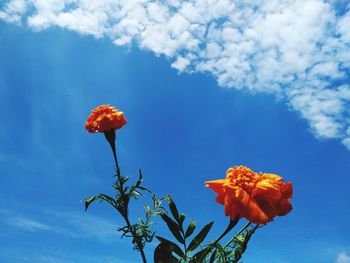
[(257, 197)]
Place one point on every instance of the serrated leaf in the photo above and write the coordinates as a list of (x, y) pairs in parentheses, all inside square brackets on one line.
[(173, 227), (190, 229), (198, 239), (162, 254), (172, 245), (88, 201), (174, 210)]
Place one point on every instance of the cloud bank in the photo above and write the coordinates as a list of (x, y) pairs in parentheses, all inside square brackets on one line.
[(298, 50)]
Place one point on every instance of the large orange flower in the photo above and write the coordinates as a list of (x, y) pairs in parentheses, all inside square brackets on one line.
[(105, 118), (256, 197)]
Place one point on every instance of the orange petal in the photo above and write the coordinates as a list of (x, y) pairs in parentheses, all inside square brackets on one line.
[(283, 207), (220, 199), (216, 185), (254, 213), (287, 190), (273, 177), (228, 204), (241, 197), (267, 207), (266, 189)]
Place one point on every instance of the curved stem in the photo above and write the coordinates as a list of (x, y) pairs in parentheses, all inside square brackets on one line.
[(239, 232), (228, 229)]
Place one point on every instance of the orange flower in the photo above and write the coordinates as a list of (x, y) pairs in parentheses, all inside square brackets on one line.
[(105, 118), (256, 197)]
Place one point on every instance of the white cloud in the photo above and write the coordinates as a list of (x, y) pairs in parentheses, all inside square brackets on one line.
[(76, 225), (83, 225), (13, 11), (343, 258), (296, 49), (28, 224)]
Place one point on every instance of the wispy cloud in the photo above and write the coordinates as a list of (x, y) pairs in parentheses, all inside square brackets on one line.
[(343, 258), (298, 50), (54, 256), (28, 224), (83, 225), (70, 224)]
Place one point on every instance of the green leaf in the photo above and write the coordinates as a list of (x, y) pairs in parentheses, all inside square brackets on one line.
[(162, 254), (190, 229), (173, 209), (198, 239), (238, 253), (172, 246), (88, 201), (182, 218), (139, 181), (173, 227), (106, 198), (144, 189), (201, 255), (148, 211), (213, 256)]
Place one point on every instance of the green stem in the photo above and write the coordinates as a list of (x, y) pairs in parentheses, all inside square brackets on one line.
[(246, 240), (239, 232), (234, 237), (110, 137), (125, 215), (135, 238), (244, 228), (229, 227)]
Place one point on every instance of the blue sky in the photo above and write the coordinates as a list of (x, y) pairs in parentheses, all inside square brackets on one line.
[(192, 113)]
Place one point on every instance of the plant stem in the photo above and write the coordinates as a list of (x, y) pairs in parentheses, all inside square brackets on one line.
[(246, 240), (110, 137), (239, 232), (125, 215), (185, 247), (229, 227), (244, 228), (134, 235)]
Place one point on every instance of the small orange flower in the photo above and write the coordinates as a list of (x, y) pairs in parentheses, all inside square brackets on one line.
[(256, 197), (105, 118)]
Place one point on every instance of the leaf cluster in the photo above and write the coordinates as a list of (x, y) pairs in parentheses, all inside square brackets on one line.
[(169, 251), (140, 232), (234, 249)]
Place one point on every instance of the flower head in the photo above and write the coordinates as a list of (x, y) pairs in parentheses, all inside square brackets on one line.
[(256, 197), (105, 118)]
